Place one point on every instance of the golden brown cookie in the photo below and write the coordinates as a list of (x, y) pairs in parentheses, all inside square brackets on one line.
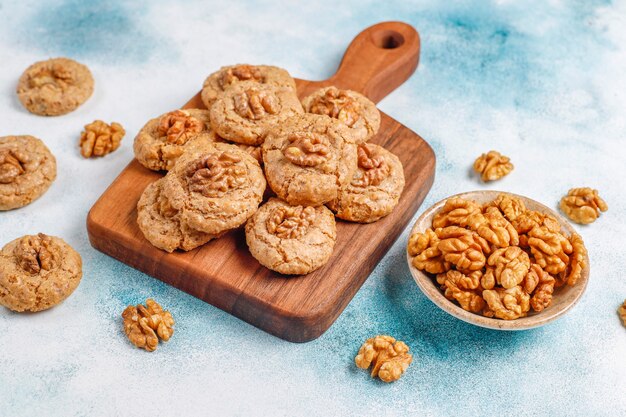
[(38, 272), (308, 158), (245, 112), (27, 168), (291, 240), (164, 139), (55, 87), (227, 77), (352, 109), (375, 187), (216, 187), (160, 222)]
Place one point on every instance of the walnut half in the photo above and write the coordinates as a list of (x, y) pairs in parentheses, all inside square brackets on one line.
[(583, 205), (373, 165), (255, 104), (388, 358), (242, 72), (622, 313), (492, 166), (290, 222), (11, 165), (100, 138), (144, 325), (337, 104), (178, 127), (307, 149), (34, 253), (215, 174)]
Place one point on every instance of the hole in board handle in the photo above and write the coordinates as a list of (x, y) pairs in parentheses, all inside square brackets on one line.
[(387, 39)]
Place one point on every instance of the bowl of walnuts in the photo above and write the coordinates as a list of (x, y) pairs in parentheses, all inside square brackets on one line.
[(498, 260)]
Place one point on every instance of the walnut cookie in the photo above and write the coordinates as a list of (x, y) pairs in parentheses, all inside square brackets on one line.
[(308, 158), (230, 76), (375, 187), (161, 225), (353, 109), (27, 169), (163, 139), (291, 240), (216, 187), (55, 87), (37, 272), (247, 111)]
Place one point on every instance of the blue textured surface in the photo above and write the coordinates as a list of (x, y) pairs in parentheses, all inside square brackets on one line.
[(543, 82)]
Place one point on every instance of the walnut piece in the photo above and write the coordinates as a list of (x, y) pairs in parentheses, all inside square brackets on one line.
[(507, 304), (337, 104), (213, 175), (290, 222), (426, 255), (144, 325), (583, 205), (493, 227), (34, 253), (388, 358), (526, 221), (460, 287), (492, 166), (242, 72), (373, 165), (510, 206), (307, 149), (622, 313), (576, 261), (99, 138), (178, 127), (542, 296), (510, 266), (55, 76), (255, 104), (462, 247), (11, 165), (550, 249), (455, 212)]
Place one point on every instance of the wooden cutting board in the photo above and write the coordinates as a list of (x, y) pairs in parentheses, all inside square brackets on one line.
[(223, 272)]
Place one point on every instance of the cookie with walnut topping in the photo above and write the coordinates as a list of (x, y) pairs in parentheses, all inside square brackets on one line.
[(27, 169), (291, 240), (227, 77), (247, 111), (308, 158), (215, 187), (165, 138), (358, 113), (375, 188), (54, 87)]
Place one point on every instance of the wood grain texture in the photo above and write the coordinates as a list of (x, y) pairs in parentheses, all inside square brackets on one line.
[(223, 272)]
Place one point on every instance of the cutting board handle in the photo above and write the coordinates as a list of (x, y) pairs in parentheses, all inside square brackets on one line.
[(379, 60)]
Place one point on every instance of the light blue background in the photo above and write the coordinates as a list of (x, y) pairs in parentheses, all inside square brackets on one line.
[(541, 81)]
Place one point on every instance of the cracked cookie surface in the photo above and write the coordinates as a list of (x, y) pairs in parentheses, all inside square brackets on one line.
[(291, 240), (165, 138), (37, 272), (160, 222), (375, 188), (308, 158), (55, 87), (216, 187), (227, 77), (358, 113), (27, 169), (247, 111)]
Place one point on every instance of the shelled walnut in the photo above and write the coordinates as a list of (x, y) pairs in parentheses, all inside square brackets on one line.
[(621, 311), (307, 149), (11, 165), (215, 174), (423, 248), (255, 104), (290, 222), (492, 166), (33, 253), (583, 205), (337, 104), (100, 138), (388, 358), (242, 72), (144, 325), (178, 127), (372, 163)]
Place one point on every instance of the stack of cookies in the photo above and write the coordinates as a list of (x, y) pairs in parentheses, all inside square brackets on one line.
[(314, 155)]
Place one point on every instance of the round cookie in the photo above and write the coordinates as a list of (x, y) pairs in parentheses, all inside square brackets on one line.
[(38, 272), (160, 223), (375, 187), (245, 112), (358, 113), (227, 77), (165, 138), (27, 168), (291, 240), (55, 87), (216, 187), (308, 158)]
